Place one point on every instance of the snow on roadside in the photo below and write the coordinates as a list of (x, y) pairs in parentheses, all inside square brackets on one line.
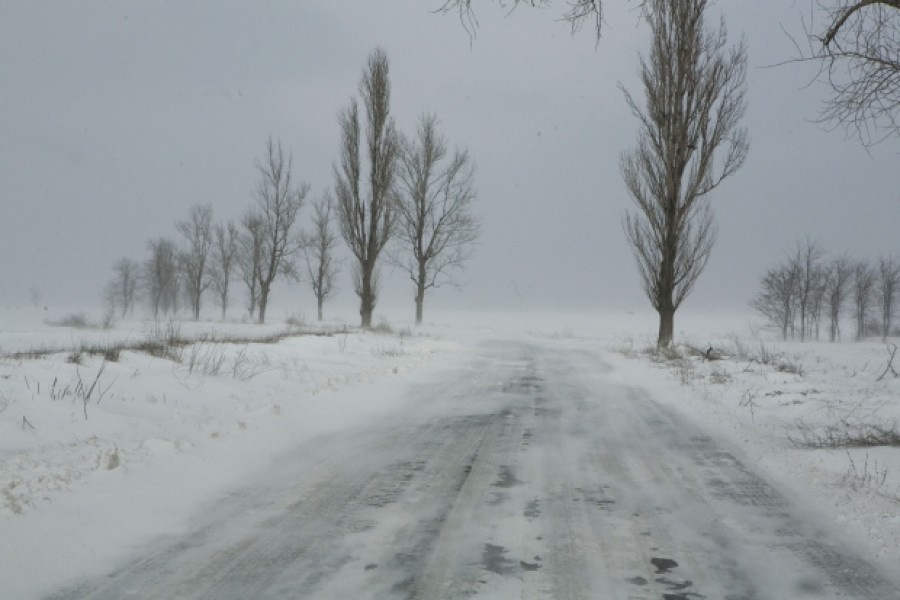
[(161, 438), (763, 411), (66, 415), (778, 414), (97, 455)]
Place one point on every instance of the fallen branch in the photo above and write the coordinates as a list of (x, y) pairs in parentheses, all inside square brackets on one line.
[(892, 351)]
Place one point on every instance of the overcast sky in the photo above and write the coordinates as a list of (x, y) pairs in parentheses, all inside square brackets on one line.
[(117, 116)]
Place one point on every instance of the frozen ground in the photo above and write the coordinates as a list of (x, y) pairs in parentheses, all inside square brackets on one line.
[(814, 415), (88, 476)]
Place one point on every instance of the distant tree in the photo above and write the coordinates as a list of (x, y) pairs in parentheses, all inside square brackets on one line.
[(194, 259), (436, 228), (863, 291), (858, 48), (161, 276), (817, 302), (110, 303), (809, 285), (776, 301), (35, 295), (319, 245), (226, 244), (124, 285), (888, 287), (250, 257), (690, 141), (366, 208), (837, 285), (277, 205)]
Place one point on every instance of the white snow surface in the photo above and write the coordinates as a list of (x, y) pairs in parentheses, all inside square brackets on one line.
[(83, 482)]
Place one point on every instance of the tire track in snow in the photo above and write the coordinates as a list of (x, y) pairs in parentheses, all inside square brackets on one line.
[(364, 514), (530, 476)]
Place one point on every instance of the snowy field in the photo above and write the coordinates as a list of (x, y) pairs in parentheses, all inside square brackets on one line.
[(111, 437)]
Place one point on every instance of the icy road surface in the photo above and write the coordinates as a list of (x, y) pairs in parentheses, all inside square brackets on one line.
[(528, 475)]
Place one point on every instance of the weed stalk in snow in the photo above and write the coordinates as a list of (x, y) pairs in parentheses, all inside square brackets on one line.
[(892, 352)]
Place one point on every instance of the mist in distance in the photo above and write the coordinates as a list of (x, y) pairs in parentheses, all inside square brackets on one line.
[(117, 118)]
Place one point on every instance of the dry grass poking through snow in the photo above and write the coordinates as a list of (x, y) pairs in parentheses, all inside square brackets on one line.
[(813, 397), (844, 435), (820, 417), (76, 402)]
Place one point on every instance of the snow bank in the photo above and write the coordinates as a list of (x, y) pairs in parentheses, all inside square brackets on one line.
[(97, 455), (792, 409)]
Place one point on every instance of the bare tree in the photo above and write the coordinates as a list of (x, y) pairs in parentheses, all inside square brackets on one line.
[(124, 284), (34, 294), (888, 276), (161, 276), (250, 257), (110, 303), (689, 142), (278, 203), (436, 228), (809, 256), (197, 232), (837, 284), (776, 301), (226, 244), (366, 209), (817, 302), (863, 291), (858, 48), (579, 11), (318, 250)]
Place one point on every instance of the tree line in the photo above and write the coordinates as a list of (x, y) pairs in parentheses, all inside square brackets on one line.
[(406, 200), (808, 292), (690, 140)]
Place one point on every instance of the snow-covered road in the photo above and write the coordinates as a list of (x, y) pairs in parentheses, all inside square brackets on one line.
[(529, 473)]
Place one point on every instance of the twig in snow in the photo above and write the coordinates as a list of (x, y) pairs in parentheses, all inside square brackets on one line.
[(892, 351), (748, 398), (86, 394)]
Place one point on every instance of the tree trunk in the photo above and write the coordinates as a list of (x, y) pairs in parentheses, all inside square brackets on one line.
[(666, 326), (366, 298), (666, 290), (365, 313), (319, 300), (420, 292), (802, 320), (263, 302), (419, 302)]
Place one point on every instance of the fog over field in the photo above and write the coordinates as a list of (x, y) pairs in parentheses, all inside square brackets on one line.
[(117, 117)]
